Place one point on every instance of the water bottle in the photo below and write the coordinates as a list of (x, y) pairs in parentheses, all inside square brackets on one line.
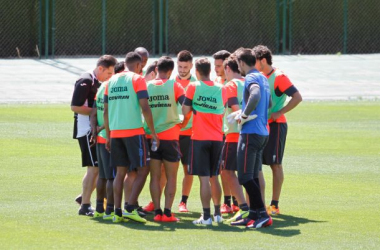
[(154, 145)]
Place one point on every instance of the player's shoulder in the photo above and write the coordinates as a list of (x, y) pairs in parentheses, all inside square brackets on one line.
[(279, 73), (84, 79)]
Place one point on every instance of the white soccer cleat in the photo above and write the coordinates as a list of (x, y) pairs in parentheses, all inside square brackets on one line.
[(218, 218), (202, 221)]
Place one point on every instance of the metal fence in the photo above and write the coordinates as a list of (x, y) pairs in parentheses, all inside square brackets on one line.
[(49, 28)]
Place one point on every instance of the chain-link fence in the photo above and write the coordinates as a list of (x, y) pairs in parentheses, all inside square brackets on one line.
[(206, 26), (48, 28), (19, 28)]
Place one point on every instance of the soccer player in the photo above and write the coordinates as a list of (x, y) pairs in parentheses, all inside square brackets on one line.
[(104, 186), (124, 97), (206, 100), (143, 52), (184, 77), (151, 72), (164, 95), (81, 104), (281, 87), (253, 136), (234, 90), (219, 58)]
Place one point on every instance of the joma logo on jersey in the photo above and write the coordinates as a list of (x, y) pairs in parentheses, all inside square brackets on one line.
[(119, 89), (158, 98), (206, 99)]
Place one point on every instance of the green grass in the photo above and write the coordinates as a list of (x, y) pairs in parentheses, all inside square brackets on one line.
[(330, 196)]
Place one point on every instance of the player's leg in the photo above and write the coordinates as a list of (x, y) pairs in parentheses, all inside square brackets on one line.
[(138, 154), (128, 184), (254, 144), (273, 154), (110, 175), (163, 179), (89, 159), (171, 155), (171, 170), (121, 161), (187, 181), (155, 190), (226, 207), (101, 181), (216, 190), (262, 184), (200, 165), (278, 180)]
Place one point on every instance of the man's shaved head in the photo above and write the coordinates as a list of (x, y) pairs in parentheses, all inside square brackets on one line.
[(143, 52)]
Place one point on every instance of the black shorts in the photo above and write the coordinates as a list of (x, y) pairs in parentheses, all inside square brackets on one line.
[(184, 145), (249, 156), (228, 156), (89, 158), (168, 151), (131, 152), (204, 158), (106, 168), (274, 151)]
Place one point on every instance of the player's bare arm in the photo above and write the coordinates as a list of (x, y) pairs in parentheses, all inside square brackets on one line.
[(83, 110), (147, 113), (106, 126), (294, 101)]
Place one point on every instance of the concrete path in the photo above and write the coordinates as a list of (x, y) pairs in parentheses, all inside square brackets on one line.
[(329, 77)]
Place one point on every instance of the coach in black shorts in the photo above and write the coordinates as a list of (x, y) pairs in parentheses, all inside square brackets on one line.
[(81, 104)]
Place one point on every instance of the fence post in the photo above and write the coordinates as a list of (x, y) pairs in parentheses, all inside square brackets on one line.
[(277, 26), (284, 26), (39, 28), (154, 15), (290, 25), (167, 27), (104, 25), (53, 28), (46, 29), (345, 24), (160, 29)]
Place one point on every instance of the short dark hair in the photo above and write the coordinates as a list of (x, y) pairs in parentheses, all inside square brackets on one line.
[(151, 68), (119, 67), (203, 66), (231, 63), (165, 64), (261, 52), (106, 61), (247, 56), (185, 56), (132, 57), (222, 55)]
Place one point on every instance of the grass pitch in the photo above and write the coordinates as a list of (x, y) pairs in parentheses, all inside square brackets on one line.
[(330, 196)]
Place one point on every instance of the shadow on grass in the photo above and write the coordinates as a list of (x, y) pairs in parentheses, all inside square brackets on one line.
[(281, 225)]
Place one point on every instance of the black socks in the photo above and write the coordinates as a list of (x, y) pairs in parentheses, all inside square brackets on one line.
[(227, 200), (274, 203), (100, 206), (206, 213), (184, 198), (217, 210)]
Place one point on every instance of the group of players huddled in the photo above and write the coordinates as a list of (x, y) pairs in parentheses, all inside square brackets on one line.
[(132, 123)]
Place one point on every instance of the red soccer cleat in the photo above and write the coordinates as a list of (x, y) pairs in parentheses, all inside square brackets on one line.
[(149, 207), (225, 209), (235, 208), (169, 219), (158, 218), (182, 208)]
